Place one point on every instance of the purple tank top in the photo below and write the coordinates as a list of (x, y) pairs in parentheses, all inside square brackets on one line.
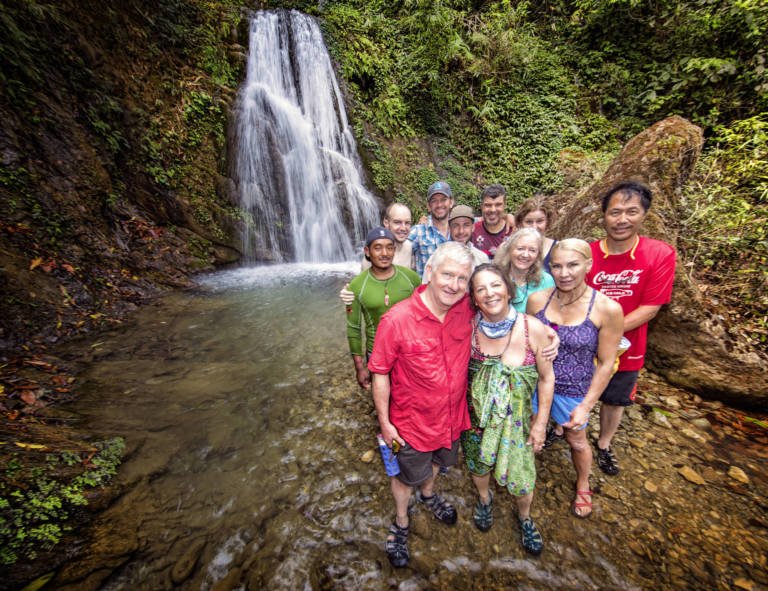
[(574, 364)]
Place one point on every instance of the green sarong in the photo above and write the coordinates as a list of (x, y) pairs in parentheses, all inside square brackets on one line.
[(500, 397)]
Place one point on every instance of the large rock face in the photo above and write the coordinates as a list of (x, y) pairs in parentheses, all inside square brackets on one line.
[(688, 344)]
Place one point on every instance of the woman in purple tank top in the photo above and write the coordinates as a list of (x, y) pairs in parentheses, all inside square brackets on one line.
[(590, 326)]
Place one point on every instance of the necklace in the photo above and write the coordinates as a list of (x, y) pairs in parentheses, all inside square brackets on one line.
[(576, 299), (386, 285)]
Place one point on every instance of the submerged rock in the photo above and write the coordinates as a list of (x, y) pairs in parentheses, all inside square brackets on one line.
[(691, 475), (738, 474)]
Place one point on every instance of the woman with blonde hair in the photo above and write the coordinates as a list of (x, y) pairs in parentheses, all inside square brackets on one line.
[(520, 258), (536, 213), (590, 327)]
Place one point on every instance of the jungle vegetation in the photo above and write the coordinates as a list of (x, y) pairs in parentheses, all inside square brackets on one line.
[(538, 95)]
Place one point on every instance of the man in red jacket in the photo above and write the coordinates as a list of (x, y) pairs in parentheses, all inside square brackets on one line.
[(637, 272)]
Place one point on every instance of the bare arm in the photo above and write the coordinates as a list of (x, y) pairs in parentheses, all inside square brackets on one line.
[(640, 316), (545, 385), (610, 323), (535, 303), (362, 373), (381, 394)]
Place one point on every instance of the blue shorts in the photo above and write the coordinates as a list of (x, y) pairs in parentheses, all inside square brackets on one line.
[(562, 407)]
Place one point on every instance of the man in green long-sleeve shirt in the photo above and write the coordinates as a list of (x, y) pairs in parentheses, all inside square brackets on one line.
[(375, 291)]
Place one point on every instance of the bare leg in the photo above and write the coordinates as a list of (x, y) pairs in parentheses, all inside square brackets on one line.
[(524, 505), (427, 485), (482, 483), (581, 454), (610, 419), (402, 494)]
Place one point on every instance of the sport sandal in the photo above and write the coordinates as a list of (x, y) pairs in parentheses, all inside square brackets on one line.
[(531, 538), (606, 461), (440, 508), (552, 437), (483, 514), (397, 548)]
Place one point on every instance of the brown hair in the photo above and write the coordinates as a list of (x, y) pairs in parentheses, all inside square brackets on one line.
[(496, 270), (536, 203)]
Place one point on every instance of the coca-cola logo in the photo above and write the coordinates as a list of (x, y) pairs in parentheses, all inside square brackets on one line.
[(626, 277)]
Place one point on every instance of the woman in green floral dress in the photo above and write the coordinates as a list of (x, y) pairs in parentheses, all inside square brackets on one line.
[(506, 366)]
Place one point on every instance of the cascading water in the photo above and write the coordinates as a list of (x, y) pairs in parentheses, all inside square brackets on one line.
[(296, 164)]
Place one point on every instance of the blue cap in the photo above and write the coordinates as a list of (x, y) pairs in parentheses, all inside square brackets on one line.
[(377, 233), (439, 187)]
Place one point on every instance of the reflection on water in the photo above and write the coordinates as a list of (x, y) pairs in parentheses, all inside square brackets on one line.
[(245, 426)]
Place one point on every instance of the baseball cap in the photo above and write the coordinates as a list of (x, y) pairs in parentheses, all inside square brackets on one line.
[(439, 187), (461, 211), (377, 233)]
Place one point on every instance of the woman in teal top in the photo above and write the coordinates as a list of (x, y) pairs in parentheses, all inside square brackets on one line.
[(520, 258)]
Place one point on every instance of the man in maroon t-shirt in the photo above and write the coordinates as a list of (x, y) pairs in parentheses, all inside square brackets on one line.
[(493, 229), (419, 375), (637, 272)]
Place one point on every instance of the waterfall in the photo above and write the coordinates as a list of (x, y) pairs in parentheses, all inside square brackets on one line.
[(296, 165)]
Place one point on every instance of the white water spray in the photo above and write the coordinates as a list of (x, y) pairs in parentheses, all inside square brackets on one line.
[(296, 164)]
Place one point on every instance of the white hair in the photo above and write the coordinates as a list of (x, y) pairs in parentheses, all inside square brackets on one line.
[(453, 251)]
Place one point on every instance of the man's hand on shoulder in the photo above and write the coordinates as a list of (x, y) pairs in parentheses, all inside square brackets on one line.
[(346, 296), (550, 351)]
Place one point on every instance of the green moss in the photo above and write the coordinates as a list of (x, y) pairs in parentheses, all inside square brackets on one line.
[(37, 500)]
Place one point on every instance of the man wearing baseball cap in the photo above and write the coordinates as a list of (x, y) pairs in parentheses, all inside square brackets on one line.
[(375, 291), (460, 222), (427, 237)]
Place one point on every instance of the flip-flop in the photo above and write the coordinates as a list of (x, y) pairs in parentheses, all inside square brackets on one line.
[(577, 504)]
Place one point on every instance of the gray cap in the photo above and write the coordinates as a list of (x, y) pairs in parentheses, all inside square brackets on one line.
[(439, 187), (461, 211)]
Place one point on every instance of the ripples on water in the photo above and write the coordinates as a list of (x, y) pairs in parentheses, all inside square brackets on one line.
[(246, 427)]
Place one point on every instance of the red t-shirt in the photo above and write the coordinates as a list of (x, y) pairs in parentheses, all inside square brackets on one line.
[(487, 242), (427, 362), (642, 276)]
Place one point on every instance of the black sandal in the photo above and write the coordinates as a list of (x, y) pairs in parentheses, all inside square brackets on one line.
[(552, 437), (397, 548)]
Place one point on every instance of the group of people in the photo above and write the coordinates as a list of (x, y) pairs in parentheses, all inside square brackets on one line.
[(479, 332)]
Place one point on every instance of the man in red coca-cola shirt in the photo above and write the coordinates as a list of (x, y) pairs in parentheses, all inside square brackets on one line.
[(637, 272)]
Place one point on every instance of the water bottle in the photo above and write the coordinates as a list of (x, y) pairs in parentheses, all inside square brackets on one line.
[(389, 458)]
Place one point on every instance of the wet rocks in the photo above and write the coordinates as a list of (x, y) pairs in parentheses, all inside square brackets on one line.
[(658, 418), (738, 474), (184, 566), (691, 475)]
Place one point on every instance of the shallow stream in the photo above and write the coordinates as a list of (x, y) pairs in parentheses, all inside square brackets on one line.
[(245, 432)]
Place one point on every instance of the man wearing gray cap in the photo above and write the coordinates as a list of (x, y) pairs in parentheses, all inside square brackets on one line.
[(427, 237), (375, 291), (461, 221)]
